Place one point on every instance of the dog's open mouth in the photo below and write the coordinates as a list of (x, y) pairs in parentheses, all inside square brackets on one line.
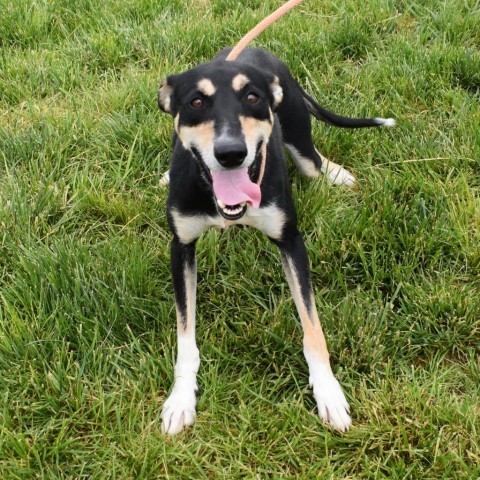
[(234, 192), (232, 212)]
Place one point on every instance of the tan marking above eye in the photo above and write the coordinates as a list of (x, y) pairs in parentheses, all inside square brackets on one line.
[(206, 87), (239, 81)]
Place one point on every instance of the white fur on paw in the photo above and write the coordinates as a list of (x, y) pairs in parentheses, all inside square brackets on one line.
[(332, 405), (165, 180), (179, 409), (339, 175)]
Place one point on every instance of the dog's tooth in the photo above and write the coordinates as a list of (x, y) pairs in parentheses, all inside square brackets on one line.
[(220, 204)]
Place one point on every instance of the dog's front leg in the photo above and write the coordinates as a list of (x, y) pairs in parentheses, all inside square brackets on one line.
[(179, 409), (333, 408)]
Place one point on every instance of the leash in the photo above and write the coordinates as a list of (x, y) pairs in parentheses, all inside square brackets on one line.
[(249, 37), (257, 30)]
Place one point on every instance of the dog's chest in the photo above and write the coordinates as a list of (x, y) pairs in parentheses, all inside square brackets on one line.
[(269, 219)]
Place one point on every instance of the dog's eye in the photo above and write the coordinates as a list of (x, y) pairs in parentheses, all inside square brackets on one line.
[(197, 103), (252, 98)]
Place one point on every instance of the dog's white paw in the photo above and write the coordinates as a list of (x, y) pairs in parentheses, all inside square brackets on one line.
[(179, 409), (338, 175), (342, 177), (332, 405), (165, 180)]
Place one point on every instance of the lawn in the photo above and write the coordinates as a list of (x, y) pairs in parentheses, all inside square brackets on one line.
[(87, 318)]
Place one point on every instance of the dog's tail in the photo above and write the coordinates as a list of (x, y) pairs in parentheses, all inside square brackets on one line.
[(338, 121)]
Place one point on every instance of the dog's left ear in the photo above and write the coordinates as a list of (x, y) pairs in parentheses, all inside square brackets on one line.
[(277, 92), (165, 93)]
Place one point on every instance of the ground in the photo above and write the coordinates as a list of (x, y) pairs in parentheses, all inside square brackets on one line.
[(87, 323)]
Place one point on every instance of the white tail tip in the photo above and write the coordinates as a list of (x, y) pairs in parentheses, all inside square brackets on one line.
[(386, 122)]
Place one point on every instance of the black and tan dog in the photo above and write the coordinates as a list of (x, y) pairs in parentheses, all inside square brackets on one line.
[(232, 120)]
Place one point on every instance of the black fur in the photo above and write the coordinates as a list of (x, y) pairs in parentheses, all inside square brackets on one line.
[(217, 118)]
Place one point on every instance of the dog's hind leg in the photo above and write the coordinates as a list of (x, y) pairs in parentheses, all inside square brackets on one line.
[(307, 165), (297, 137), (179, 409), (333, 408), (335, 173)]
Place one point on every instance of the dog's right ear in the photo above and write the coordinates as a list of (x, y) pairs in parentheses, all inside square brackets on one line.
[(165, 95)]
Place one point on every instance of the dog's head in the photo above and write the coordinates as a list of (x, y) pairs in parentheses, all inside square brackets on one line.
[(223, 114)]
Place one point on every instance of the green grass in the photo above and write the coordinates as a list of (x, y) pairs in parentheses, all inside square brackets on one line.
[(87, 336)]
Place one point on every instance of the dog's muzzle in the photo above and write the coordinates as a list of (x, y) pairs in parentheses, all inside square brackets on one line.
[(234, 189), (232, 186)]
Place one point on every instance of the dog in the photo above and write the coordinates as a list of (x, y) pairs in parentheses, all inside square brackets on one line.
[(231, 122)]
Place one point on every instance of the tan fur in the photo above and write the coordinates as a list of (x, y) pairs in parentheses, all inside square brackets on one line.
[(191, 291), (206, 87), (313, 338), (272, 116), (305, 165), (239, 81), (255, 130), (200, 135)]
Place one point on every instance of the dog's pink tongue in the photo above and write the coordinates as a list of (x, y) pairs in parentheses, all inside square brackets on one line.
[(234, 186)]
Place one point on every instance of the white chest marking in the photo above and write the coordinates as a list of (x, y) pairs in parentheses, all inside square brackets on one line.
[(270, 220)]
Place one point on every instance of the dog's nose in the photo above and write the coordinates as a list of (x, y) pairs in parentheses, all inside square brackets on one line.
[(230, 153)]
